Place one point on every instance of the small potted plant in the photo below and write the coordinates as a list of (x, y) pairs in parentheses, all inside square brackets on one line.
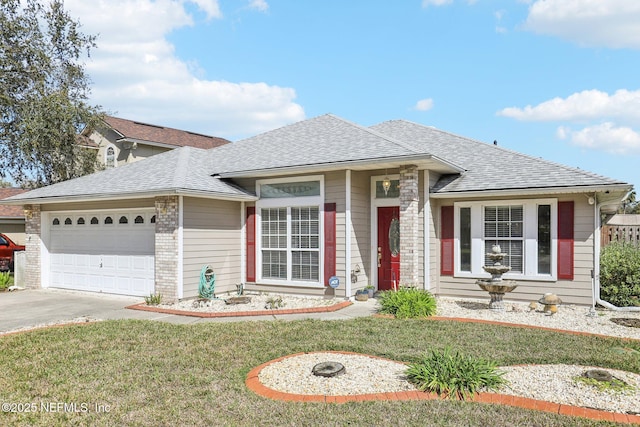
[(362, 295), (370, 289)]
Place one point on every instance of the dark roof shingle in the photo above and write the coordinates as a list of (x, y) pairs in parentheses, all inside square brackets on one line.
[(130, 129)]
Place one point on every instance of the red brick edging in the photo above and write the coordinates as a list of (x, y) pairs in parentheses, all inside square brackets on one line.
[(144, 307), (253, 383)]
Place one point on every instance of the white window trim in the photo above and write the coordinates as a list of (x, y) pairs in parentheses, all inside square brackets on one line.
[(290, 202), (115, 155), (530, 252)]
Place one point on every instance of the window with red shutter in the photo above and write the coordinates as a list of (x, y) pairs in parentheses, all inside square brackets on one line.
[(446, 240), (250, 231), (329, 241), (565, 240)]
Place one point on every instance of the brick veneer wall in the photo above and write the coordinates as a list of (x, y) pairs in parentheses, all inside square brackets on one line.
[(409, 226), (166, 260), (33, 243)]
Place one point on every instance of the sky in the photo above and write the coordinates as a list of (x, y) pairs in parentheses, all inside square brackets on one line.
[(556, 79)]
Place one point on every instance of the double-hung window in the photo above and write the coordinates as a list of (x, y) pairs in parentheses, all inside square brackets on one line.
[(524, 230), (290, 230)]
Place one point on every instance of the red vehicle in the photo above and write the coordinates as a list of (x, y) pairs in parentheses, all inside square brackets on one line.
[(7, 248)]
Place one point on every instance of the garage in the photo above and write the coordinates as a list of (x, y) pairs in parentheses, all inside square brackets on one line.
[(111, 252)]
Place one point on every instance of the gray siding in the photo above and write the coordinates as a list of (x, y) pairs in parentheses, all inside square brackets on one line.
[(211, 236), (334, 192), (361, 228)]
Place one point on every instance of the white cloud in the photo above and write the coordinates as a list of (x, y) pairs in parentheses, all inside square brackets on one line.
[(610, 23), (424, 104), (606, 136), (585, 105), (427, 3), (210, 7), (259, 5), (137, 74)]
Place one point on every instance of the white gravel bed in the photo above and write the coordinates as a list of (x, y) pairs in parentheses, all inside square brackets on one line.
[(568, 317), (258, 302), (556, 383), (363, 375)]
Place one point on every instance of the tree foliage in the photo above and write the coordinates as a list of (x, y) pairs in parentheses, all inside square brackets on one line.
[(44, 96)]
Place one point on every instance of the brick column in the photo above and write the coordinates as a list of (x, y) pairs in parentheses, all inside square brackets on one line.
[(409, 199), (33, 246), (166, 260)]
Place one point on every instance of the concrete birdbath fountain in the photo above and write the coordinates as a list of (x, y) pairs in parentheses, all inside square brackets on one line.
[(496, 286)]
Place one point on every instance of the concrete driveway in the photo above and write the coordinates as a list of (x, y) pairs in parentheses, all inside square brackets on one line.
[(35, 307)]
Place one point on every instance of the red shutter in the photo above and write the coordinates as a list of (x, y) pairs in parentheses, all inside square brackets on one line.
[(565, 240), (446, 241), (329, 241), (251, 243)]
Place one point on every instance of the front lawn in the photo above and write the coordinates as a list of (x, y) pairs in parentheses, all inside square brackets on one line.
[(152, 373)]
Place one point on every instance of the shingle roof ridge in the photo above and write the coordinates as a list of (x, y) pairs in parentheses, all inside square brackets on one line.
[(378, 134), (510, 151)]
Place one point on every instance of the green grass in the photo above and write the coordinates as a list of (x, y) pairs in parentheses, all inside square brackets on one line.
[(6, 280), (153, 373)]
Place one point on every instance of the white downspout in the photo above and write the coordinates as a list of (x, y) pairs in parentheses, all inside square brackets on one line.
[(347, 235), (596, 266)]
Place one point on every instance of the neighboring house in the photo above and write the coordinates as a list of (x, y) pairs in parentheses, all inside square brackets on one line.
[(121, 141), (394, 204), (12, 217)]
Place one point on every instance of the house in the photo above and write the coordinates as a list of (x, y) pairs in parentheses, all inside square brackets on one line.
[(285, 211), (12, 217), (120, 141)]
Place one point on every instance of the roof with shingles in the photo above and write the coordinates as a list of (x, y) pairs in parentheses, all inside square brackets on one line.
[(488, 167), (324, 140), (183, 170), (130, 129)]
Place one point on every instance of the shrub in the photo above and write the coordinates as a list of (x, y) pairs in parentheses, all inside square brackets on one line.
[(408, 302), (153, 299), (5, 280), (620, 274), (449, 373)]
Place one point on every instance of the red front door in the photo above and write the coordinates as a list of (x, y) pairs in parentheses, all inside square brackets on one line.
[(388, 248)]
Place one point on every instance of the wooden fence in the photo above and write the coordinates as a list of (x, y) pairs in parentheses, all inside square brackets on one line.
[(620, 233)]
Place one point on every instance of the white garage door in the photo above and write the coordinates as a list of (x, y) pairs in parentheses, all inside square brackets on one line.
[(109, 252)]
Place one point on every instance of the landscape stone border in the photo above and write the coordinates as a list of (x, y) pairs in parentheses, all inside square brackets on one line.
[(254, 384), (280, 311)]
